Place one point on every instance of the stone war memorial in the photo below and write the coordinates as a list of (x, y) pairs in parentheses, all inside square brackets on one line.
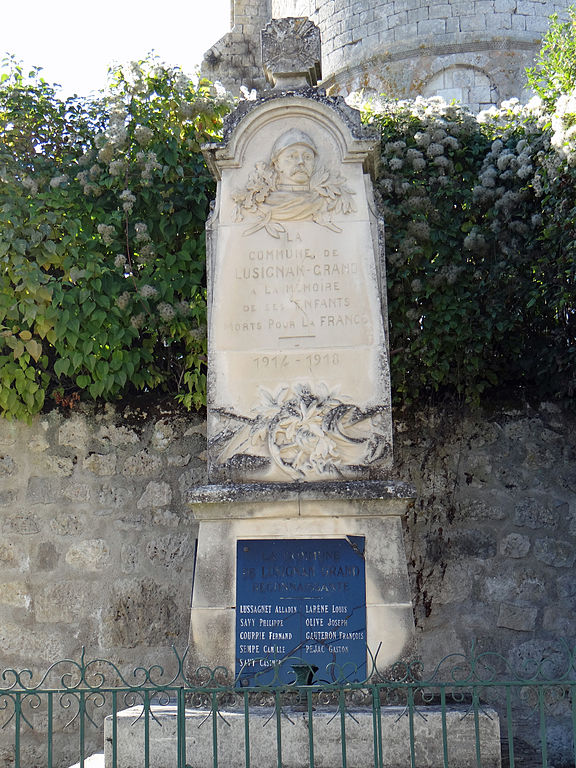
[(300, 571), (300, 554)]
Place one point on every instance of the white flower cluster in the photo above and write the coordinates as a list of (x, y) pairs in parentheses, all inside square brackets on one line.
[(166, 311), (564, 127), (128, 199), (150, 164), (520, 165), (123, 300), (106, 232), (143, 134), (58, 181), (148, 291), (86, 178)]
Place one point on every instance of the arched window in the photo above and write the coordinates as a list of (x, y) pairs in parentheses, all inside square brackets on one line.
[(464, 84)]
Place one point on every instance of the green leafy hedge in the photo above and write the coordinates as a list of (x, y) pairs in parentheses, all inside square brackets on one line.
[(102, 211), (480, 220)]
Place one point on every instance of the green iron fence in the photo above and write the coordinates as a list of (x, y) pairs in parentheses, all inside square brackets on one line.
[(482, 709)]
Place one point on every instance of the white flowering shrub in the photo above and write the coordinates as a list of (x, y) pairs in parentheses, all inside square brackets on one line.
[(102, 212), (480, 217)]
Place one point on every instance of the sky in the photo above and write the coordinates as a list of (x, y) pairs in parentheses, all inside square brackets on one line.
[(75, 42)]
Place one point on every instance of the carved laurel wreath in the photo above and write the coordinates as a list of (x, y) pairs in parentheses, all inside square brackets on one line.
[(328, 196)]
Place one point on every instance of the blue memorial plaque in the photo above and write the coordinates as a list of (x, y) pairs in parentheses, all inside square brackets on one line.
[(301, 601)]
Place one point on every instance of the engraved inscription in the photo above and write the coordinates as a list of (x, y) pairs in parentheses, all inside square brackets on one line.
[(296, 296), (300, 601)]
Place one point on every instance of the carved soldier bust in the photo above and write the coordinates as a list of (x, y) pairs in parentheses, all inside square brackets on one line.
[(292, 186), (293, 158)]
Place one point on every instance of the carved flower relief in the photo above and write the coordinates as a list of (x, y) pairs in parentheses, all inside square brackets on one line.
[(307, 435), (292, 186)]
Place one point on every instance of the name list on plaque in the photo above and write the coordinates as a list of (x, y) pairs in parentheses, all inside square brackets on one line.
[(301, 601)]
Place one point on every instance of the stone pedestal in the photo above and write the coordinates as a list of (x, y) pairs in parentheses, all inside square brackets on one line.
[(311, 511), (392, 737)]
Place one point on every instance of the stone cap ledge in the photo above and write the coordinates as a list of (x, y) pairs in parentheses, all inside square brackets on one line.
[(366, 490)]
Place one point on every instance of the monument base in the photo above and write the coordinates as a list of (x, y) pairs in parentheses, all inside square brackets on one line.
[(297, 738), (229, 515)]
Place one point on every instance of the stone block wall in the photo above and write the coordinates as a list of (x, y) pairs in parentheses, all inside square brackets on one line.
[(97, 546), (98, 543), (408, 47), (491, 540)]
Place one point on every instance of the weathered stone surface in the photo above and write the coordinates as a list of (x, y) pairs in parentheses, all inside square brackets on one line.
[(515, 545), (47, 557), (67, 523), (557, 621), (43, 490), (555, 552), (74, 432), (7, 465), (41, 647), (101, 463), (427, 735), (7, 497), (454, 607), (38, 444), (192, 476), (91, 555), (531, 586), (117, 435), (547, 655), (142, 464), (61, 466), (171, 551), (463, 543), (293, 360), (571, 517), (458, 581), (533, 514), (157, 494), (62, 601), (291, 52), (129, 557), (25, 523), (522, 618), (131, 521), (162, 436), (140, 612), (15, 593), (76, 491), (178, 460), (166, 518), (479, 509), (11, 554), (114, 496), (566, 586)]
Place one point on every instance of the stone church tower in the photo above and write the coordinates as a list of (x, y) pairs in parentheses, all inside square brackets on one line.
[(474, 51)]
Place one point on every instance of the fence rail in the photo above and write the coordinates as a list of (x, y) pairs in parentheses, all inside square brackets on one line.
[(478, 710)]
